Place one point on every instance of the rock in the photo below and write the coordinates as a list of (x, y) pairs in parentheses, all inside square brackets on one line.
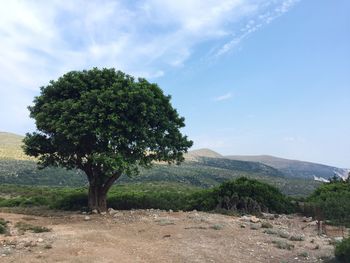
[(83, 213), (103, 213), (245, 219), (94, 211), (254, 219), (40, 240), (87, 218), (111, 211), (338, 239), (255, 226), (170, 211), (307, 219)]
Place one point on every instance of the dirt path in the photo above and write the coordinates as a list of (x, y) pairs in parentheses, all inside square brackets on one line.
[(156, 236)]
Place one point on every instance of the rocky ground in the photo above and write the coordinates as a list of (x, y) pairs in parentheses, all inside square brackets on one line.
[(162, 236)]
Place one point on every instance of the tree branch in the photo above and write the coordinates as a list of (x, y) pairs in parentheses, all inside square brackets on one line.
[(110, 181)]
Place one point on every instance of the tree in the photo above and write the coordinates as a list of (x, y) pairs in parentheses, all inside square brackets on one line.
[(106, 124)]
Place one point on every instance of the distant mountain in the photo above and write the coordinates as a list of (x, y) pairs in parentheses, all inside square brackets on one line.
[(202, 168), (196, 155), (294, 168)]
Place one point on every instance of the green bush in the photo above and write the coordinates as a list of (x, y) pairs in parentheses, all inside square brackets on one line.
[(330, 201), (22, 226), (342, 251), (71, 201), (241, 195), (3, 226), (251, 196)]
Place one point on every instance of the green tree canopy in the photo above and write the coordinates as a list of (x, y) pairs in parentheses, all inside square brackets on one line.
[(106, 124)]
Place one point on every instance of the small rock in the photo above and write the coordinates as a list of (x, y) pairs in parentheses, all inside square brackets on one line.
[(111, 211), (255, 226), (40, 240), (254, 219), (103, 213), (307, 219), (170, 211), (338, 239), (84, 213), (87, 218), (94, 211)]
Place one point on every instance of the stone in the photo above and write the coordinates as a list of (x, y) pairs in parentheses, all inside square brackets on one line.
[(307, 219), (103, 213), (94, 211), (87, 218), (254, 219), (40, 240), (111, 211)]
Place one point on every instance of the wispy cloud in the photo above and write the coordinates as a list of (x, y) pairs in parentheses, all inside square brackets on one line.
[(256, 23), (226, 96), (41, 40)]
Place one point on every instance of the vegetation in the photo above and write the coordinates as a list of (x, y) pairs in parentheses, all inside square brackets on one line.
[(196, 174), (159, 196), (3, 226), (331, 202), (105, 124), (342, 251), (204, 172), (252, 196), (22, 226)]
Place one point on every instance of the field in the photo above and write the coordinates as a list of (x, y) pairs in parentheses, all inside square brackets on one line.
[(163, 236)]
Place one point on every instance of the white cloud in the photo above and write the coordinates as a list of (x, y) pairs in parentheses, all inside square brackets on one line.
[(226, 96), (41, 40)]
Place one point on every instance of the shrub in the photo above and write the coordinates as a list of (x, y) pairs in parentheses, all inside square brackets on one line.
[(251, 196), (22, 226), (71, 201), (330, 202), (283, 245), (266, 225), (3, 226), (342, 251)]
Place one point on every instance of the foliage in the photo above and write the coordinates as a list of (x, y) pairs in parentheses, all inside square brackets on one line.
[(195, 174), (143, 196), (330, 201), (342, 250), (106, 124), (22, 226), (251, 196), (3, 226)]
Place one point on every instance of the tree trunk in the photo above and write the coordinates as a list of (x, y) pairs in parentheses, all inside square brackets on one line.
[(98, 188), (97, 198)]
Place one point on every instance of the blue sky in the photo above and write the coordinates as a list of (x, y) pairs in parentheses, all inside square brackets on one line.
[(250, 76)]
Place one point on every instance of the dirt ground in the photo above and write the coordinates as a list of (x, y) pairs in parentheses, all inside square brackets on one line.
[(160, 236)]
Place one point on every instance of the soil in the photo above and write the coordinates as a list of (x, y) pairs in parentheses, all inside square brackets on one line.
[(161, 236)]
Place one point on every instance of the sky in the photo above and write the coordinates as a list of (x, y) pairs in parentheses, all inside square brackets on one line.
[(250, 77)]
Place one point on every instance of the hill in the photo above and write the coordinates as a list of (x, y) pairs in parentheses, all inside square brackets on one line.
[(294, 168), (196, 155), (10, 147), (202, 168)]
